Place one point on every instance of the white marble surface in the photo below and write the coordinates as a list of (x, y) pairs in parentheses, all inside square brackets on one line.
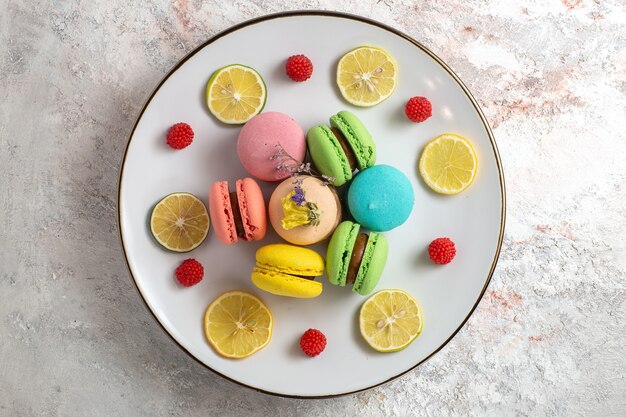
[(549, 338)]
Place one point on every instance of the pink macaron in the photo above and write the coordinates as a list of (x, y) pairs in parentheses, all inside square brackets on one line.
[(267, 136), (240, 214)]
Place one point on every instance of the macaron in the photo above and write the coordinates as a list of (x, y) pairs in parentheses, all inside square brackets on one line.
[(270, 146), (337, 151), (303, 210), (240, 214), (380, 198), (288, 271), (355, 258)]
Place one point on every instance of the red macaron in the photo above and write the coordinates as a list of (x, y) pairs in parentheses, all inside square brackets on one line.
[(238, 215)]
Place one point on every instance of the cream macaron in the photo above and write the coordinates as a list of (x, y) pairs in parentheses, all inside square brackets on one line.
[(303, 210)]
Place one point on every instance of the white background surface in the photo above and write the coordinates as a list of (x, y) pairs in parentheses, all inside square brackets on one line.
[(549, 337), (472, 219)]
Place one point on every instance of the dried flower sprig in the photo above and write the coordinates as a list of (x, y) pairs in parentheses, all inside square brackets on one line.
[(286, 162)]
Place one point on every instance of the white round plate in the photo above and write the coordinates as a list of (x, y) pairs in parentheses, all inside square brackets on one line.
[(474, 219)]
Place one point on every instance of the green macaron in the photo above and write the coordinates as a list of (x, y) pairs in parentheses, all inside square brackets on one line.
[(337, 151), (355, 258), (328, 155), (358, 137)]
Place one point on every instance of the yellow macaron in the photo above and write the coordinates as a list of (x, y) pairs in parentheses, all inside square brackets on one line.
[(288, 270)]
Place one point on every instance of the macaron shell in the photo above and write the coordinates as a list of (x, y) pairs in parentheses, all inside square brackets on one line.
[(339, 252), (262, 136), (327, 154), (380, 198), (357, 136), (286, 285), (372, 265), (315, 191), (222, 213), (252, 208), (290, 259)]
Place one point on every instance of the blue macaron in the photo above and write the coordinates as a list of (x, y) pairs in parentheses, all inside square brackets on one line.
[(380, 198)]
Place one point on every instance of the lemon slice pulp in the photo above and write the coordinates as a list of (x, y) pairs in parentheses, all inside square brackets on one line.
[(179, 222), (448, 164), (238, 324), (235, 94), (366, 76), (390, 320)]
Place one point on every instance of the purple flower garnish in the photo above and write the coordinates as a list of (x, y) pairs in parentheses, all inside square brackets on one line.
[(298, 196)]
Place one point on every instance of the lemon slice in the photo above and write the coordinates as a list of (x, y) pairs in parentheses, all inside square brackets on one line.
[(390, 320), (238, 324), (366, 76), (448, 164), (235, 94), (179, 222)]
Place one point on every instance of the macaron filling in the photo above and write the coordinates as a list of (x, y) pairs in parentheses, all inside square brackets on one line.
[(287, 270), (357, 136), (234, 205), (373, 264), (305, 277), (309, 277), (356, 258), (345, 146)]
